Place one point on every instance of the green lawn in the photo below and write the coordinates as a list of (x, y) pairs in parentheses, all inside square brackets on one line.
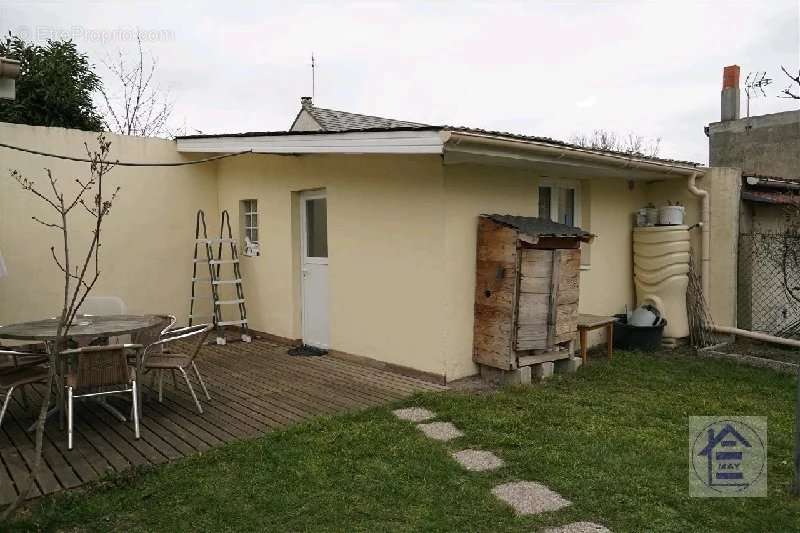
[(613, 439)]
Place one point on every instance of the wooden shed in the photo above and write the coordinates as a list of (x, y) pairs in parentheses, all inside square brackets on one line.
[(526, 290)]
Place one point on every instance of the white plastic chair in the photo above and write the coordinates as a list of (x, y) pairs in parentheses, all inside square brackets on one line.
[(105, 305)]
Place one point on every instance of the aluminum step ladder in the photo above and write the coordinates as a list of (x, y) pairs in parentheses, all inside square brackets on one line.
[(215, 279)]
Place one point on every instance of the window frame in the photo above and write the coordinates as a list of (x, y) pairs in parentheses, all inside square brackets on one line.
[(248, 209), (555, 185), (562, 183)]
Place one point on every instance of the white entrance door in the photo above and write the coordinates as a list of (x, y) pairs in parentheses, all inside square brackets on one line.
[(314, 265)]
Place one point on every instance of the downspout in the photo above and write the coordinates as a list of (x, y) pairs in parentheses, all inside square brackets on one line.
[(705, 227)]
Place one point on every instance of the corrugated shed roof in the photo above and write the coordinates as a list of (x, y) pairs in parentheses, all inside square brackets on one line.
[(771, 197), (540, 227)]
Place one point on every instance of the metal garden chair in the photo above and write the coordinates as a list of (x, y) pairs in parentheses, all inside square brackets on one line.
[(98, 371), (158, 358), (148, 338), (18, 370)]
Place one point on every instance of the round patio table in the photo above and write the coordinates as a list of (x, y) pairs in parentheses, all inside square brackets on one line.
[(83, 326)]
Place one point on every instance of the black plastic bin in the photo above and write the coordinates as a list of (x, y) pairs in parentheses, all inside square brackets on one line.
[(644, 339)]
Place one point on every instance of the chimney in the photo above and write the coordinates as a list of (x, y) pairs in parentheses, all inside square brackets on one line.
[(305, 101), (730, 93)]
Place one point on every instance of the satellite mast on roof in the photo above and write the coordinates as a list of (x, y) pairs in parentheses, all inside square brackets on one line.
[(753, 84), (313, 80)]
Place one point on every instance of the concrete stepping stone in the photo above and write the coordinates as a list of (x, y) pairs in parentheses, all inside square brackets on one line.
[(527, 497), (579, 527), (414, 414), (477, 460), (440, 431)]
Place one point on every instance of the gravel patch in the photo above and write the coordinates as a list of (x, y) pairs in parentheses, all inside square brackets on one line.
[(440, 431), (414, 414), (579, 527), (527, 497), (477, 460)]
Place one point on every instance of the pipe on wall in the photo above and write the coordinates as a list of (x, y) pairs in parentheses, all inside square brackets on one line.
[(754, 335), (705, 228)]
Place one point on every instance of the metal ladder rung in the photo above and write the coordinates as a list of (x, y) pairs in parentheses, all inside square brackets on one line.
[(232, 322), (215, 259)]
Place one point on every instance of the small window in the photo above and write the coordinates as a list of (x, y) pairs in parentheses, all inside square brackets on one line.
[(560, 203), (566, 206), (544, 202), (249, 225)]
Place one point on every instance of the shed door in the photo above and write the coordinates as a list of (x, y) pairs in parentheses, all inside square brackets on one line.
[(314, 246), (547, 307), (535, 288)]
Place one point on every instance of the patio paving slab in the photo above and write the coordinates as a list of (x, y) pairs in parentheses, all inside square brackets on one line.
[(477, 460), (527, 497), (579, 527), (443, 431), (414, 414)]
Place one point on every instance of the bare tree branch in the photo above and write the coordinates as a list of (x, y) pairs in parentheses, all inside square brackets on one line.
[(139, 107), (630, 143), (793, 89), (77, 284)]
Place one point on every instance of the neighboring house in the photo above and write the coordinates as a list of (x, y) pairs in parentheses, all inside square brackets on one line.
[(367, 225), (766, 149)]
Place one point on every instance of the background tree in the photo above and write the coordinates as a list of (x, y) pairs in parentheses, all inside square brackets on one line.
[(628, 144), (793, 89), (133, 103), (54, 88)]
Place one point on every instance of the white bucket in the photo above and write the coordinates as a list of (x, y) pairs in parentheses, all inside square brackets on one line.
[(671, 215)]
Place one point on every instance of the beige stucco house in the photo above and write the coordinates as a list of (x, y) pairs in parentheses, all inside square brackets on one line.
[(366, 226)]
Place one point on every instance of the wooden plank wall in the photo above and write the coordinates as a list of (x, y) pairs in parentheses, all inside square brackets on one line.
[(535, 290), (566, 315), (495, 295)]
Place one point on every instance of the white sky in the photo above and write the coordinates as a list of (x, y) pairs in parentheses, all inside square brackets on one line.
[(539, 67)]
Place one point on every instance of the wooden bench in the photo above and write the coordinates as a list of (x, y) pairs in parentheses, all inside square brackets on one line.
[(587, 323)]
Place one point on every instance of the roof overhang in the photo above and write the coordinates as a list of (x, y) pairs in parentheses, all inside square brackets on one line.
[(558, 160), (456, 147), (414, 141)]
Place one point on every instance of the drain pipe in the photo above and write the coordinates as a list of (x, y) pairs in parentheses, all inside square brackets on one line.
[(754, 335), (705, 228)]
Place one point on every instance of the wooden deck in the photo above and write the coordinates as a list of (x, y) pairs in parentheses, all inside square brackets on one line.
[(254, 387)]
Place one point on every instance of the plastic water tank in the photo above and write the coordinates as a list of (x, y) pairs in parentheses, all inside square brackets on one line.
[(661, 274)]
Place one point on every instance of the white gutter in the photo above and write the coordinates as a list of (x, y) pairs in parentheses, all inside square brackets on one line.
[(559, 152), (705, 217)]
